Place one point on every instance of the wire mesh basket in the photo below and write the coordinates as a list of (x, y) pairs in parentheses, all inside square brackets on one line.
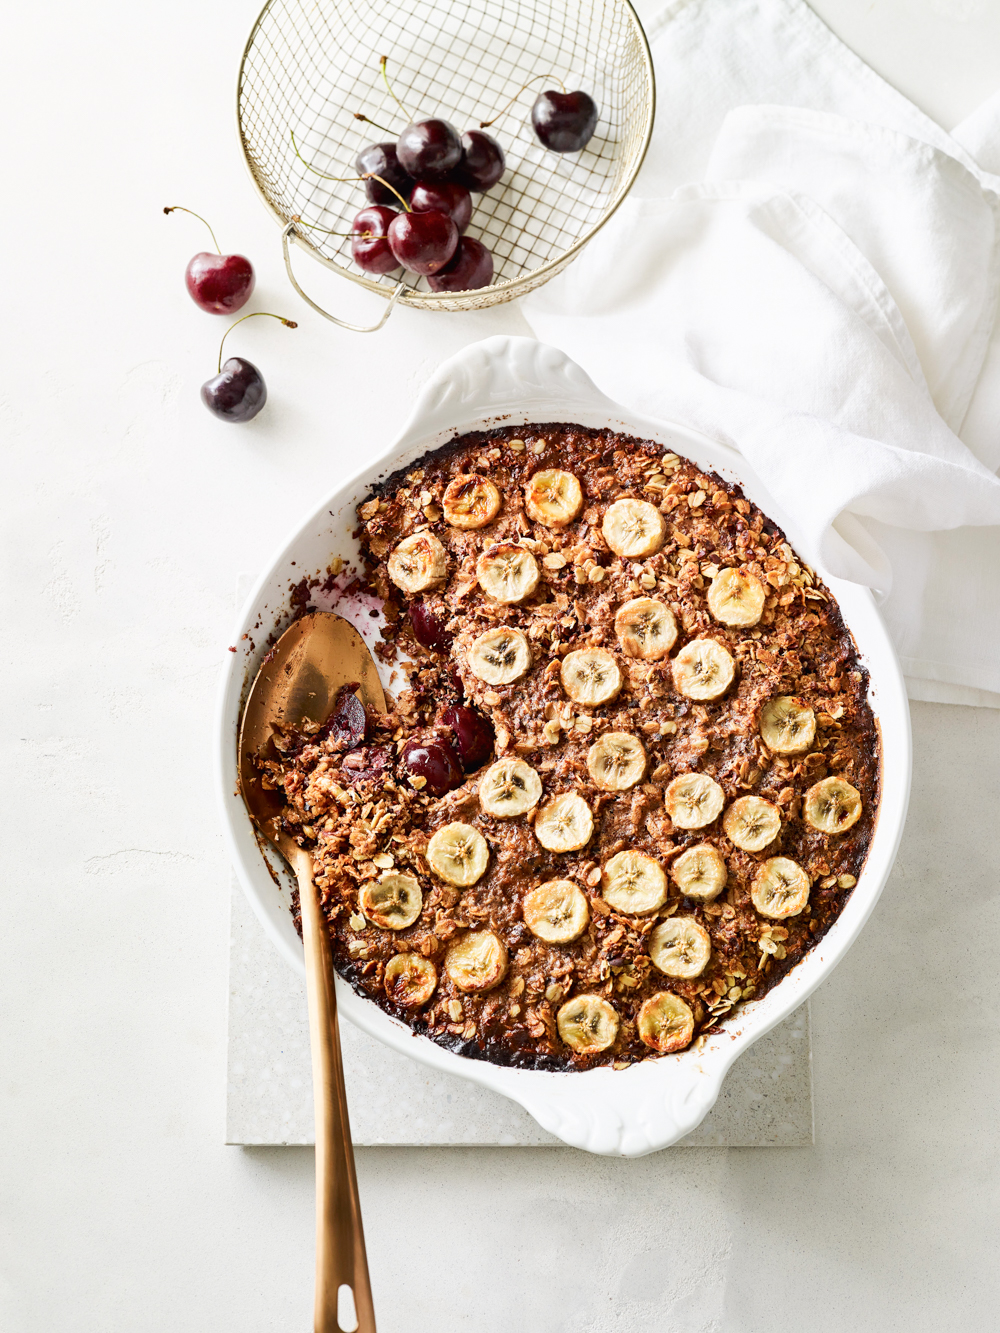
[(309, 65)]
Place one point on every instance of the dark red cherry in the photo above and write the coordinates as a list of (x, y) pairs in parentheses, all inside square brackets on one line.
[(382, 160), (370, 241), (482, 161), (219, 284), (237, 393), (564, 122), (371, 764), (347, 724), (429, 149), (473, 735), (471, 266), (427, 628), (437, 762), (423, 242), (446, 197)]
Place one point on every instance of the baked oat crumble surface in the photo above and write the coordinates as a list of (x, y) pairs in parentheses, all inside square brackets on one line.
[(743, 616)]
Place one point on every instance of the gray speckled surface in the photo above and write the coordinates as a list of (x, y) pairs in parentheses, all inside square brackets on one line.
[(765, 1102)]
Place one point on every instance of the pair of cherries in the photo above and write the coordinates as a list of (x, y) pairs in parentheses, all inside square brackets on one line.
[(222, 284)]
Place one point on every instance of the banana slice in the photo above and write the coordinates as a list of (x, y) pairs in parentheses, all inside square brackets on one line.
[(693, 800), (393, 901), (832, 805), (736, 597), (787, 725), (780, 889), (556, 912), (500, 656), (553, 497), (564, 824), (509, 787), (418, 563), (666, 1023), (617, 761), (703, 669), (410, 979), (470, 502), (587, 1024), (646, 628), (680, 947), (590, 676), (634, 883), (458, 854), (633, 528), (477, 961), (507, 572), (700, 872), (752, 823)]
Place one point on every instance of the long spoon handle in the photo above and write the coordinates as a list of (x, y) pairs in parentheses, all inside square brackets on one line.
[(340, 1237)]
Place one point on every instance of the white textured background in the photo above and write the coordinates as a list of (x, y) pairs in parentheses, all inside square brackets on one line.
[(128, 513)]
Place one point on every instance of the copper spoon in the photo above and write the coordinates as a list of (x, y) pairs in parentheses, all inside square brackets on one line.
[(298, 681)]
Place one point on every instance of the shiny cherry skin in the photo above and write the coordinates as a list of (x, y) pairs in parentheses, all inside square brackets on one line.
[(423, 242), (429, 150), (382, 160), (237, 393), (437, 762), (446, 197), (428, 630), (219, 284), (482, 162), (370, 240), (471, 266), (473, 735), (564, 122)]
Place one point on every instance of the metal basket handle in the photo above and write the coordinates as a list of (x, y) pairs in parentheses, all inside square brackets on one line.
[(342, 323)]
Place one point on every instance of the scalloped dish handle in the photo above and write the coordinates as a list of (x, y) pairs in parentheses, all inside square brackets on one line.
[(501, 375)]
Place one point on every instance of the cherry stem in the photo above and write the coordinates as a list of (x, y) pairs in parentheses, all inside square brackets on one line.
[(363, 235), (176, 208), (288, 323), (368, 176), (385, 79), (485, 124), (358, 115)]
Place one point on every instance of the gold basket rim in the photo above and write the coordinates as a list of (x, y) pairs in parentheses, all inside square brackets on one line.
[(507, 287)]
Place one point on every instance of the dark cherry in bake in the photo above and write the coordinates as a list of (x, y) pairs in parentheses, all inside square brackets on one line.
[(373, 763), (482, 162), (428, 630), (473, 735), (437, 762), (445, 197), (429, 149), (237, 393), (381, 159), (347, 724), (470, 267), (423, 242), (564, 122), (370, 248)]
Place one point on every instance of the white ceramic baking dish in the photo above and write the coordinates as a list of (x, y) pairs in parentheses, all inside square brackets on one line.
[(652, 1104)]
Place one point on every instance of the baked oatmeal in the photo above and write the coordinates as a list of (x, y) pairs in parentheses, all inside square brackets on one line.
[(633, 777)]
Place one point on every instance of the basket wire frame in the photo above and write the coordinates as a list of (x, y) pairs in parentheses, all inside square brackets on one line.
[(310, 64)]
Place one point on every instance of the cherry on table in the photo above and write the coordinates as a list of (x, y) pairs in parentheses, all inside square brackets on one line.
[(471, 266), (381, 159), (237, 391), (436, 762), (429, 149), (423, 242), (473, 735), (220, 284), (370, 248), (564, 122), (482, 162), (446, 197)]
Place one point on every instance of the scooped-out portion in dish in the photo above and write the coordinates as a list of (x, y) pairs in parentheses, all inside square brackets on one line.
[(634, 774)]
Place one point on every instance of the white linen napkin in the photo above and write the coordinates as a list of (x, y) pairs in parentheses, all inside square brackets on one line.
[(807, 269)]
